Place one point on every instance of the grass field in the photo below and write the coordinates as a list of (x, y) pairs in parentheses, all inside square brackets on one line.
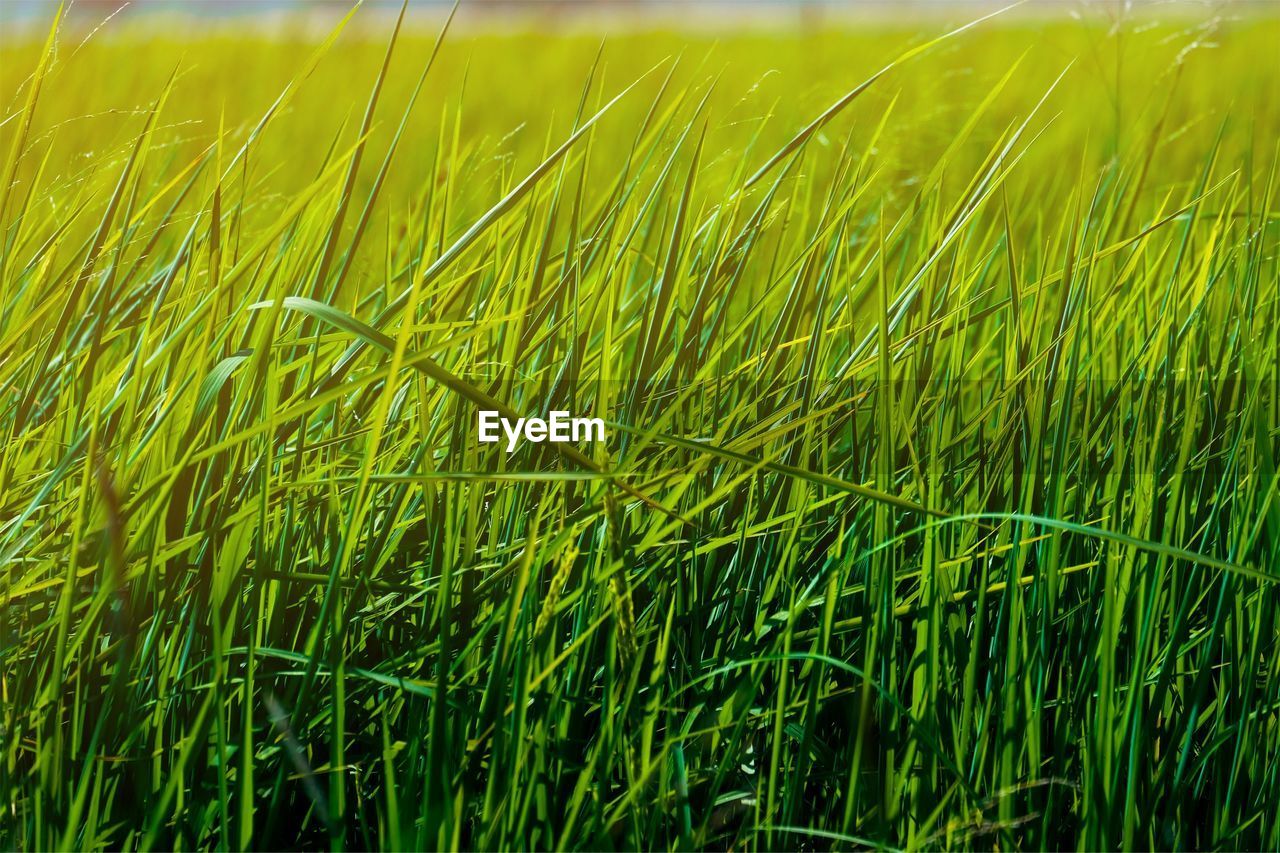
[(939, 507)]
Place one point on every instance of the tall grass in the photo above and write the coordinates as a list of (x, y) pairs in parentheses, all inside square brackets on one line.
[(939, 506)]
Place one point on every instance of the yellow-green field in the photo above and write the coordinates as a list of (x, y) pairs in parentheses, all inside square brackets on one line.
[(939, 506)]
